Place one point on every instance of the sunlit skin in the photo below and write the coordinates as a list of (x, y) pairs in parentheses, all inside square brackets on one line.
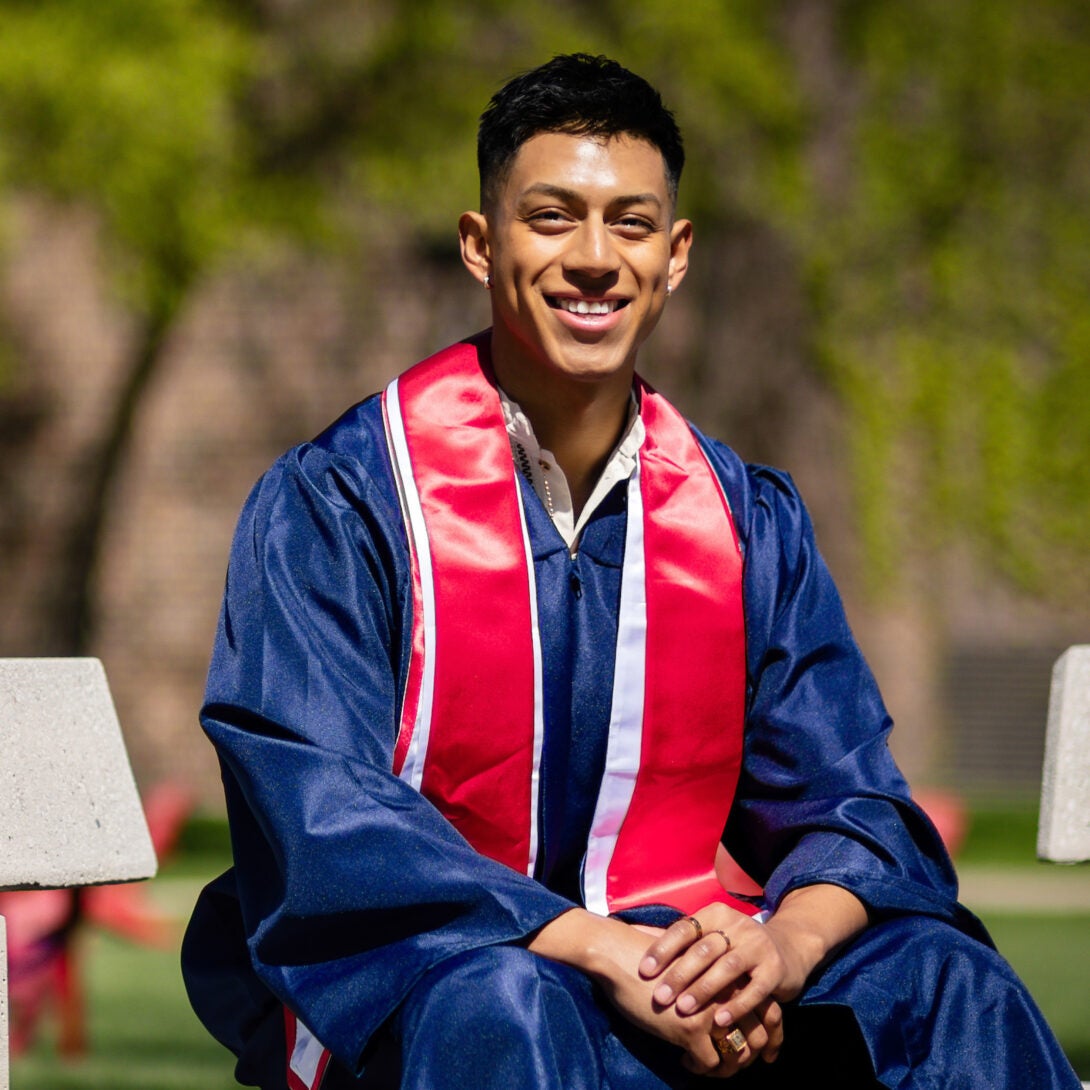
[(578, 220)]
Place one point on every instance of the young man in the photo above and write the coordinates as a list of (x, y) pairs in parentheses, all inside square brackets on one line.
[(506, 649)]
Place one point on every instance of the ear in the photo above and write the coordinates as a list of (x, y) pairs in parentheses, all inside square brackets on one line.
[(473, 237), (681, 238)]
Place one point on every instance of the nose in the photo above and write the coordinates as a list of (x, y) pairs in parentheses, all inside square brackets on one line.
[(592, 252)]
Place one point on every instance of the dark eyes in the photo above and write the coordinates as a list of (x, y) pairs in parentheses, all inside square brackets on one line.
[(555, 220), (635, 225)]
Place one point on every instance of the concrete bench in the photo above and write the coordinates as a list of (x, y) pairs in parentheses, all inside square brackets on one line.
[(70, 814), (1063, 830)]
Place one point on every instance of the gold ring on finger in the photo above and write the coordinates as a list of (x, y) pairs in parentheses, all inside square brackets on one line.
[(696, 923), (731, 1044), (726, 938)]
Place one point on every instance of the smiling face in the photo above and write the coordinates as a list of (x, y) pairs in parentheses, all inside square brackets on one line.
[(580, 244)]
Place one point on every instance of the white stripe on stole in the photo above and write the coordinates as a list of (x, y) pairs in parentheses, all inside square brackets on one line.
[(412, 771), (539, 695), (306, 1057), (626, 715)]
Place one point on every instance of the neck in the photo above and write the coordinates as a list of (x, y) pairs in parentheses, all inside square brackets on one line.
[(580, 422)]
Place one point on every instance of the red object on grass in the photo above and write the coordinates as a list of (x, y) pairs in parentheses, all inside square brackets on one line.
[(43, 926), (948, 813)]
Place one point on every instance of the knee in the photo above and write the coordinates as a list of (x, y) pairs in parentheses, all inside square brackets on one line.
[(942, 967), (943, 949), (490, 991), (502, 968), (502, 1011), (944, 987)]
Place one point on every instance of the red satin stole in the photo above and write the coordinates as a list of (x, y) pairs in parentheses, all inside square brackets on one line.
[(471, 724)]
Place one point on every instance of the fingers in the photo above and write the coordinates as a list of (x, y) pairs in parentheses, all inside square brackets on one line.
[(700, 939), (755, 989), (771, 1018), (724, 1053), (718, 961), (690, 978), (751, 965), (725, 968), (677, 937)]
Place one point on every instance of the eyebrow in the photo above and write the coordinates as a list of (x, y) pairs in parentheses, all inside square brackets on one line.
[(544, 189)]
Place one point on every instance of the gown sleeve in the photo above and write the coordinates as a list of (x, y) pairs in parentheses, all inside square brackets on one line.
[(351, 884), (820, 798)]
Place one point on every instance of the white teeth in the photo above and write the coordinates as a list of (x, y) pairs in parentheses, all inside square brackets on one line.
[(584, 306)]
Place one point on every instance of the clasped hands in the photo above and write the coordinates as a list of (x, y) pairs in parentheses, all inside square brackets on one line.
[(686, 987), (719, 971)]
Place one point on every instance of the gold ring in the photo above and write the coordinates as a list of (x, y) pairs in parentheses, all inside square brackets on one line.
[(696, 923), (726, 938), (733, 1044)]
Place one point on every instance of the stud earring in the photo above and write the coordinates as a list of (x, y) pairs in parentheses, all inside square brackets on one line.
[(669, 291), (488, 280)]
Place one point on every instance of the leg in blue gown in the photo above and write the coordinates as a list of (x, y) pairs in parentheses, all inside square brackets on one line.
[(914, 999)]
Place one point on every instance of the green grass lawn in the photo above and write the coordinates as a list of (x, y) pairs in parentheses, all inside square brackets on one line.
[(1001, 833), (1052, 955), (144, 1036)]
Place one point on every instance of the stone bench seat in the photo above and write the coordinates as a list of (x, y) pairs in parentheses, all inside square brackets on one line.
[(1063, 831), (70, 814)]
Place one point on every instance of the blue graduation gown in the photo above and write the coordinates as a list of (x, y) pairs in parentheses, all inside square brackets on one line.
[(352, 899)]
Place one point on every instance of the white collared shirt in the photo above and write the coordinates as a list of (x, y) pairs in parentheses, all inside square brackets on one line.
[(539, 467)]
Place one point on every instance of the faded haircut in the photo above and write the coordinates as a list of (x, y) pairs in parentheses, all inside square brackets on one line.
[(578, 94)]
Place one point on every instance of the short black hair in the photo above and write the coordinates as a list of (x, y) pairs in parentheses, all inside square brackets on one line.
[(579, 94)]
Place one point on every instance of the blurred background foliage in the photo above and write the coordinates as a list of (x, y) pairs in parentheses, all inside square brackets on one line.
[(907, 186), (952, 272), (927, 167)]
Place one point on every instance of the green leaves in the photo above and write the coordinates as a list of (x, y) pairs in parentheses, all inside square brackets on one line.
[(952, 267), (127, 106), (929, 165)]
